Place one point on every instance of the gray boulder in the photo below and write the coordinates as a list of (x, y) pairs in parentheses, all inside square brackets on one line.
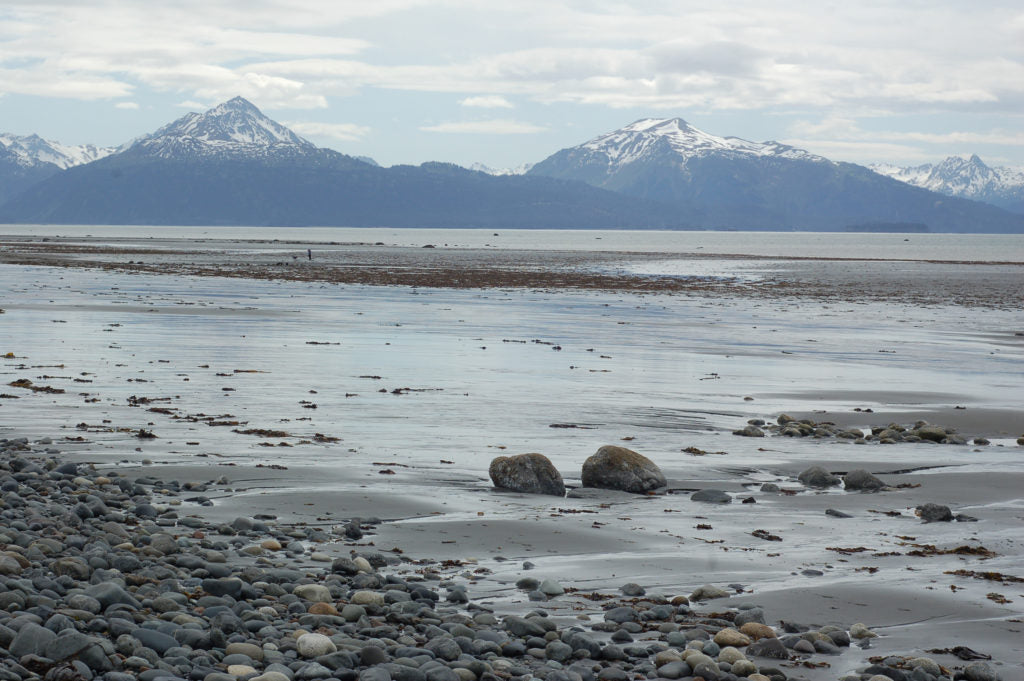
[(623, 469), (929, 432), (32, 639), (860, 479), (816, 476), (934, 513), (712, 496), (530, 473)]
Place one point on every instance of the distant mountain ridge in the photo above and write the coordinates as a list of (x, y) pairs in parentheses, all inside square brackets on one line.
[(232, 165), (28, 160), (33, 150), (735, 183), (520, 169), (645, 137), (968, 178)]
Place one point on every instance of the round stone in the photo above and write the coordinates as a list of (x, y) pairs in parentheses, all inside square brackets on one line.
[(314, 645), (731, 637)]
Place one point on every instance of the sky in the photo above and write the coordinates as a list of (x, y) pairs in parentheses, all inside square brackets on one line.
[(408, 81)]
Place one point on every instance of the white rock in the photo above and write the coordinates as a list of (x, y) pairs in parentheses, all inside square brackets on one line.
[(367, 598), (315, 593), (314, 645)]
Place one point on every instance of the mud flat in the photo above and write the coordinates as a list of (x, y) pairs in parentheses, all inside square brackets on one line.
[(313, 402)]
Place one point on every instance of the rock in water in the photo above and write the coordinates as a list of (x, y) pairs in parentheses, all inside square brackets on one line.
[(712, 496), (862, 480), (530, 473), (619, 468), (816, 476)]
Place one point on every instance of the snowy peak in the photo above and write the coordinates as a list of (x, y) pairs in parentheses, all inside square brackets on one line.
[(235, 128), (521, 169), (644, 137), (968, 178), (34, 150)]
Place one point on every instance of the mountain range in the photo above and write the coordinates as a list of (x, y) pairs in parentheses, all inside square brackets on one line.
[(967, 178), (232, 165)]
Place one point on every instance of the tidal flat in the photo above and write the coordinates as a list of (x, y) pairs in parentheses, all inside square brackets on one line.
[(377, 382)]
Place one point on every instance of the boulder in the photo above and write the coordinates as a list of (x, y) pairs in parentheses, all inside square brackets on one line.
[(932, 433), (707, 592), (934, 513), (860, 479), (623, 469), (816, 476), (711, 496), (530, 473)]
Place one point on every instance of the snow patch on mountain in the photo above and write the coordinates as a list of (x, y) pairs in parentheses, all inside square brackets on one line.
[(641, 138), (33, 150), (521, 169)]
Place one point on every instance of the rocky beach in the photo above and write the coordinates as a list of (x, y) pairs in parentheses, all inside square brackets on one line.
[(221, 462)]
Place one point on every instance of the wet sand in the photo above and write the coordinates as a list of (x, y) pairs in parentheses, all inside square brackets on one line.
[(995, 284), (663, 361)]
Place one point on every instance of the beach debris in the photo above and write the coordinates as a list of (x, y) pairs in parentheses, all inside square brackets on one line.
[(990, 576), (261, 432), (614, 467), (766, 535), (531, 473), (29, 385)]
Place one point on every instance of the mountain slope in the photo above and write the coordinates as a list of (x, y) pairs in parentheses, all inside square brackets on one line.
[(735, 183), (18, 174), (233, 166), (968, 178)]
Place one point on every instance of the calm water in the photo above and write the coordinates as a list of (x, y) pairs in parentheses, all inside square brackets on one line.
[(966, 247)]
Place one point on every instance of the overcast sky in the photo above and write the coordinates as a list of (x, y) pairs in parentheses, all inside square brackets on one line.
[(406, 81)]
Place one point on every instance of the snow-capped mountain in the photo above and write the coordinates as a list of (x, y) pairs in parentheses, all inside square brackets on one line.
[(650, 157), (33, 149), (234, 129), (520, 169), (640, 139), (736, 183), (968, 178)]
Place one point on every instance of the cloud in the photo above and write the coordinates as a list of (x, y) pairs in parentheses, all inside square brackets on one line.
[(343, 132), (770, 56), (491, 127), (127, 105), (843, 138), (487, 102)]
